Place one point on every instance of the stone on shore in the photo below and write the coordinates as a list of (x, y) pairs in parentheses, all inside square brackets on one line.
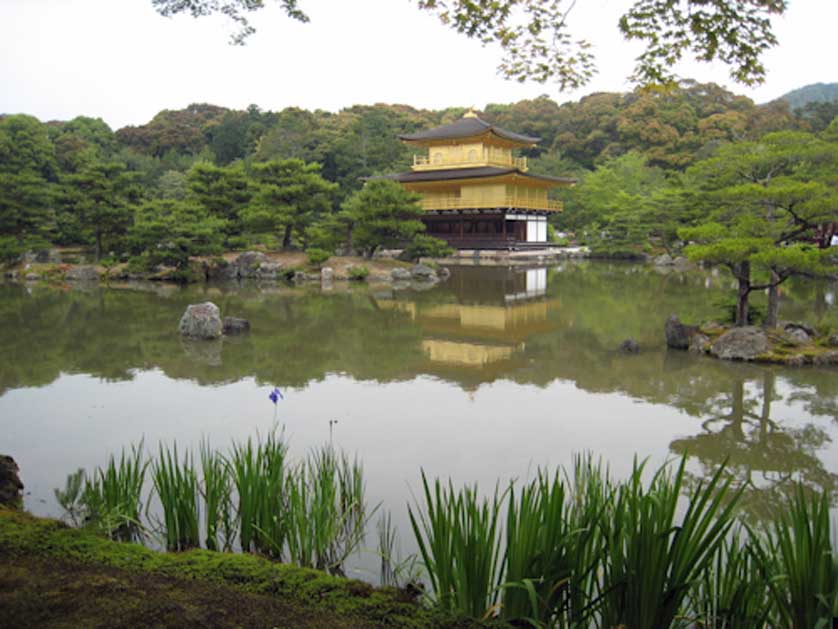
[(11, 489), (699, 343), (423, 273), (745, 343), (234, 325), (678, 334), (400, 275), (201, 321), (327, 274)]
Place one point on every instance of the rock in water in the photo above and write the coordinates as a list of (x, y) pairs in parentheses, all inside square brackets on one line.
[(629, 346), (678, 334), (423, 273), (400, 275), (698, 343), (11, 489), (235, 325), (327, 274), (740, 344), (201, 321)]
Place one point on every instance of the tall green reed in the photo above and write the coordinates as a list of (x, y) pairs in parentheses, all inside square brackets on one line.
[(651, 561), (259, 476), (459, 539), (733, 591), (176, 483), (216, 491), (326, 510), (799, 553), (112, 498)]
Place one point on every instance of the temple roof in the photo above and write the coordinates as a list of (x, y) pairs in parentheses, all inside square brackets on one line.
[(468, 173), (467, 126)]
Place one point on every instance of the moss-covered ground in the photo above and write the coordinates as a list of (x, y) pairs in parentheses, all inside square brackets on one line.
[(55, 576)]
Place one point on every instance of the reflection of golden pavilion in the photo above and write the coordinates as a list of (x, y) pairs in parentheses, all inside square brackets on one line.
[(479, 334)]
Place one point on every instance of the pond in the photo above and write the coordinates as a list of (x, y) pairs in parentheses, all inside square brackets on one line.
[(481, 378)]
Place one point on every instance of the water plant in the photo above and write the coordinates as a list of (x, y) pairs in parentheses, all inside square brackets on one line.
[(651, 560), (459, 540), (799, 549), (69, 498), (259, 476), (216, 491), (733, 591), (395, 571), (176, 483), (112, 497), (326, 510)]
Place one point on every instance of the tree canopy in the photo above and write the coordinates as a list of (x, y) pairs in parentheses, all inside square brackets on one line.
[(538, 42)]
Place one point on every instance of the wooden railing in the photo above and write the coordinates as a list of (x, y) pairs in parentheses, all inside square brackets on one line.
[(512, 203), (423, 162)]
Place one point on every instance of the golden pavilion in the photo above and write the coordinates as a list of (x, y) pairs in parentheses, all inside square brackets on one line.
[(476, 192)]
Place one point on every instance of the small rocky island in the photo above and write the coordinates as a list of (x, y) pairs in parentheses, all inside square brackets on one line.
[(790, 343)]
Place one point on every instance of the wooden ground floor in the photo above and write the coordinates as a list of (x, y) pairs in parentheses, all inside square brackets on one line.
[(499, 229)]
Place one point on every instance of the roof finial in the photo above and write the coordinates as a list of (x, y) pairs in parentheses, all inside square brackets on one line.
[(470, 113)]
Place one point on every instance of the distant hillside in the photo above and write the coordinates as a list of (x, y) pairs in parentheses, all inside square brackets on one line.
[(815, 93)]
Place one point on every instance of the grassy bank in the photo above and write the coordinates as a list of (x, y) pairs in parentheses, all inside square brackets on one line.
[(53, 575)]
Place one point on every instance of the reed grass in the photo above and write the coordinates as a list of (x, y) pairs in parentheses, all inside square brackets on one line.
[(259, 476), (216, 491), (459, 539), (733, 592), (799, 549), (176, 484), (326, 510), (112, 498)]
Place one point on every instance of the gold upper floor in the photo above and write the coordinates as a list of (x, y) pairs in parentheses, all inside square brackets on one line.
[(468, 155)]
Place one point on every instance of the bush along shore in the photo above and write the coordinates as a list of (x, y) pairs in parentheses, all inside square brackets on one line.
[(55, 266), (568, 548)]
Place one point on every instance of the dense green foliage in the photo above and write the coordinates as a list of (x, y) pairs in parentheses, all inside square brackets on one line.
[(198, 180)]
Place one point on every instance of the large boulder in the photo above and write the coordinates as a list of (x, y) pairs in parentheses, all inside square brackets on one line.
[(663, 260), (400, 275), (201, 321), (82, 274), (11, 489), (268, 270), (234, 325), (745, 343), (678, 334), (423, 273), (249, 263), (327, 274)]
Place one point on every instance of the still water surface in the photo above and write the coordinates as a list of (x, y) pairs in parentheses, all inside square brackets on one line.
[(481, 378)]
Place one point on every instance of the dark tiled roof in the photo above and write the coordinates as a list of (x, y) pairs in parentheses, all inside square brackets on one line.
[(467, 173), (465, 127)]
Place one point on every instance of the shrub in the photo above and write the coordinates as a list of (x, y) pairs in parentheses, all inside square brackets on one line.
[(424, 246), (317, 256), (359, 273)]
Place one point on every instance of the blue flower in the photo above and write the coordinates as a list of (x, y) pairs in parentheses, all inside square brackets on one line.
[(275, 395)]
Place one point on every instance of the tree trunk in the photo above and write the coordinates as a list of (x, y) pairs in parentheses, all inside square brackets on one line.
[(286, 239), (772, 316), (743, 275)]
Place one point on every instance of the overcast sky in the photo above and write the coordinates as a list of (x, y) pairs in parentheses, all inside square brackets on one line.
[(119, 60)]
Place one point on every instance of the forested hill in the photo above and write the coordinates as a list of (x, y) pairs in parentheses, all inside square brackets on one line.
[(79, 182), (814, 93)]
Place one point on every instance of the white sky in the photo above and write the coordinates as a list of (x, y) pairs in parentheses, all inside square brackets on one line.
[(119, 60)]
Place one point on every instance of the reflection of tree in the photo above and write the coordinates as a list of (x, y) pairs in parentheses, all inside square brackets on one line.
[(763, 457)]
